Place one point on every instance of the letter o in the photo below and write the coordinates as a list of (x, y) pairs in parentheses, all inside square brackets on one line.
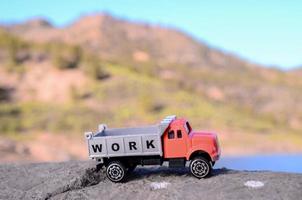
[(115, 147)]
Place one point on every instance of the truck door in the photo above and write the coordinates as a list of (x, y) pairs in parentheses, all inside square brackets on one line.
[(175, 143)]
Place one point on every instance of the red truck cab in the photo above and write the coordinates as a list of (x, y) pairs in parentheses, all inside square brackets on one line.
[(180, 141)]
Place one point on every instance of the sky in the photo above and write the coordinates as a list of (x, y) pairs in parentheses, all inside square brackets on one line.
[(267, 32)]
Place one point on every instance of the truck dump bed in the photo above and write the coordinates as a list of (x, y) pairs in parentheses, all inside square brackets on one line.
[(129, 131), (136, 141)]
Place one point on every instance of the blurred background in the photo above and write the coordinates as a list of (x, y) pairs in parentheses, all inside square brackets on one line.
[(231, 67)]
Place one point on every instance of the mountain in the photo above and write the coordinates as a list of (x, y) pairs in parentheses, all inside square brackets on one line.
[(169, 51), (114, 38), (103, 68)]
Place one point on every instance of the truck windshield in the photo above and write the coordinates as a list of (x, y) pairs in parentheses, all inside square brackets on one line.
[(188, 127)]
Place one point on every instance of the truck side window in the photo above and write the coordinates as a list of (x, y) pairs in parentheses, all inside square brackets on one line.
[(179, 135), (171, 134), (188, 127)]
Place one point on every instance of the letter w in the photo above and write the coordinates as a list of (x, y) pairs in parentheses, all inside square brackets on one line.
[(97, 148)]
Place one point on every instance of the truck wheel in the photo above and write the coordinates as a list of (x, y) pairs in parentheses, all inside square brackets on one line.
[(116, 171), (200, 167)]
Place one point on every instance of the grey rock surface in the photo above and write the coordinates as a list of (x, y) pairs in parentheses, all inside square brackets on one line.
[(79, 180)]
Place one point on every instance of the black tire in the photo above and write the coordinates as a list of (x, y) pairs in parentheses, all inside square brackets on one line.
[(116, 171), (200, 167)]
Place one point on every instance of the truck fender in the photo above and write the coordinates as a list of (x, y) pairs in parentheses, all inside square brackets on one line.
[(197, 152)]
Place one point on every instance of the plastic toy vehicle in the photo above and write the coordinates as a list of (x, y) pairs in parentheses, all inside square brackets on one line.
[(120, 150)]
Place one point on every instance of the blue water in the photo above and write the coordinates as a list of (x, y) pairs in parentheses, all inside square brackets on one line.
[(278, 163)]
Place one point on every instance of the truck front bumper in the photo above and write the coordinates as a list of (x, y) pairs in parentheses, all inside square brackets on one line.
[(216, 155)]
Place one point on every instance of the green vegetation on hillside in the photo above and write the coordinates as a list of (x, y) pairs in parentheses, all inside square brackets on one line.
[(131, 97), (12, 49), (16, 51), (65, 57)]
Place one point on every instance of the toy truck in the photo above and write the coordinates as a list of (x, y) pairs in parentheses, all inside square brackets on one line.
[(120, 150)]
